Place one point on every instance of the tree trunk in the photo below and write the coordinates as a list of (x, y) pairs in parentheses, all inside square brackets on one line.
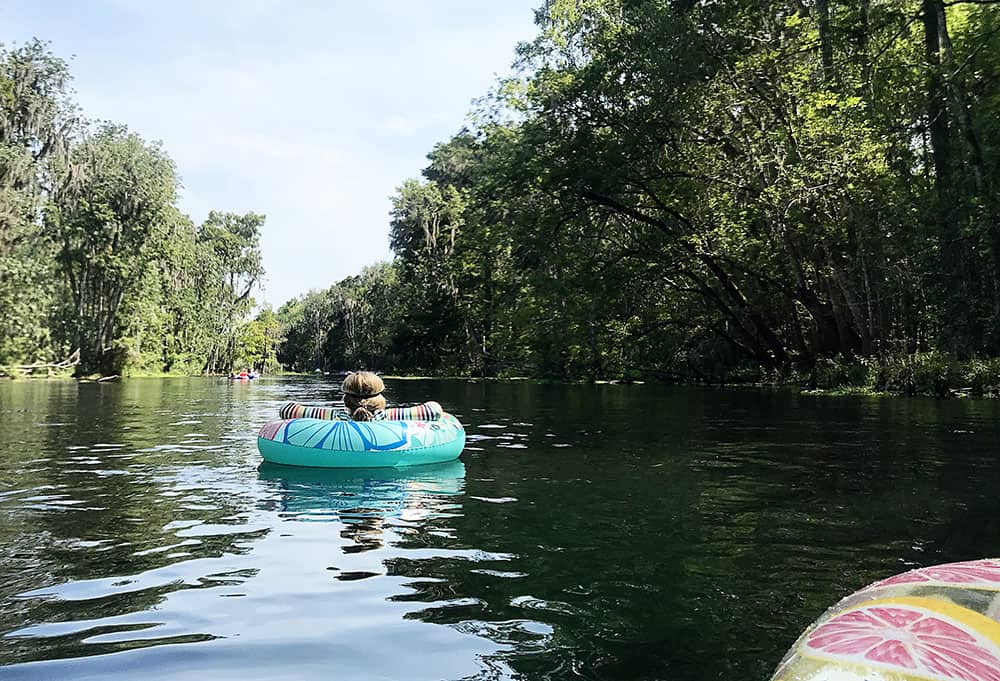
[(825, 45), (943, 218), (937, 119), (990, 215)]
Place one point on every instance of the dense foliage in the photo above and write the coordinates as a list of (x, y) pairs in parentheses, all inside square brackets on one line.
[(705, 189), (717, 189), (95, 255)]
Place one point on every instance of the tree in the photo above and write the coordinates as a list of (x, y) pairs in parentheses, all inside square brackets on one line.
[(36, 121), (730, 186), (229, 250), (110, 225), (94, 252), (258, 342), (427, 220)]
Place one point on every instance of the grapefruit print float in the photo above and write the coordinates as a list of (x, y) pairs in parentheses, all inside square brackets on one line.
[(940, 623)]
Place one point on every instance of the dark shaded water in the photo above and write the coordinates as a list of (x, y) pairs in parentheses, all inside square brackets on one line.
[(598, 532)]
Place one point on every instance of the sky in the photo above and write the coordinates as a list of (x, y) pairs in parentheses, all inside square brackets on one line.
[(311, 112)]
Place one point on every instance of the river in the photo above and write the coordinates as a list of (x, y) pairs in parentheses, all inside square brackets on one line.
[(596, 532)]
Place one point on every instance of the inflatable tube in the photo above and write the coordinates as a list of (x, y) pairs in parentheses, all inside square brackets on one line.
[(321, 443), (939, 623)]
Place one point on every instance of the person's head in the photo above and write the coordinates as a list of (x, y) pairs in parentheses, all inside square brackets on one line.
[(363, 395)]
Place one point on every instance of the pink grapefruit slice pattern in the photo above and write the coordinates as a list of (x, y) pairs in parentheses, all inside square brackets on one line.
[(971, 574), (906, 639)]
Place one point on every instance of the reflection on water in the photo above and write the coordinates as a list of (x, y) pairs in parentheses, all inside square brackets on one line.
[(626, 532), (332, 494), (367, 502)]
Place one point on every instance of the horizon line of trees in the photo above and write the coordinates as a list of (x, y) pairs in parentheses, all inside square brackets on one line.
[(96, 256), (697, 189)]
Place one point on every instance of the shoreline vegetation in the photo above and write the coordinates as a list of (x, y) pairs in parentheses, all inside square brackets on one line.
[(703, 192), (919, 375), (97, 262), (786, 193)]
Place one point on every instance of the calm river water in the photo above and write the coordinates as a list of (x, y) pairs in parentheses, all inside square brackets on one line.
[(597, 532)]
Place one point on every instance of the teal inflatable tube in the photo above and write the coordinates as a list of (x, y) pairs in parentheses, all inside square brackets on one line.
[(318, 443)]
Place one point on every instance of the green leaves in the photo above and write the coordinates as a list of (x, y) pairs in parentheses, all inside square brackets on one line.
[(349, 325), (758, 163), (109, 227), (110, 266), (35, 121)]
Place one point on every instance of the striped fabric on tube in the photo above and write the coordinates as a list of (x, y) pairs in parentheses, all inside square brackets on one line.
[(428, 411), (296, 410)]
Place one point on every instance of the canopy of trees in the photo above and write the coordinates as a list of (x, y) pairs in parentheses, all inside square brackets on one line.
[(704, 189), (95, 255)]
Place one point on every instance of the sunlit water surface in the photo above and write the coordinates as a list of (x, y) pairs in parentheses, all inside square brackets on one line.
[(597, 532)]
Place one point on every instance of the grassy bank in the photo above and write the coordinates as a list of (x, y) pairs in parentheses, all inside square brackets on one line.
[(932, 374)]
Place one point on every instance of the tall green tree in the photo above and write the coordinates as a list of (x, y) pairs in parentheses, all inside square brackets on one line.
[(258, 342), (110, 225), (426, 228), (230, 263), (36, 122)]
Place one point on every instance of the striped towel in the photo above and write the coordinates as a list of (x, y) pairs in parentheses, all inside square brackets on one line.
[(428, 411), (295, 410)]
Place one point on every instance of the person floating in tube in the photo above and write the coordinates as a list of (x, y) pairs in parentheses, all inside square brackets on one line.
[(363, 395)]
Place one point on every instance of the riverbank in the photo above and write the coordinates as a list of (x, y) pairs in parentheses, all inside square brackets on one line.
[(67, 375), (931, 374)]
